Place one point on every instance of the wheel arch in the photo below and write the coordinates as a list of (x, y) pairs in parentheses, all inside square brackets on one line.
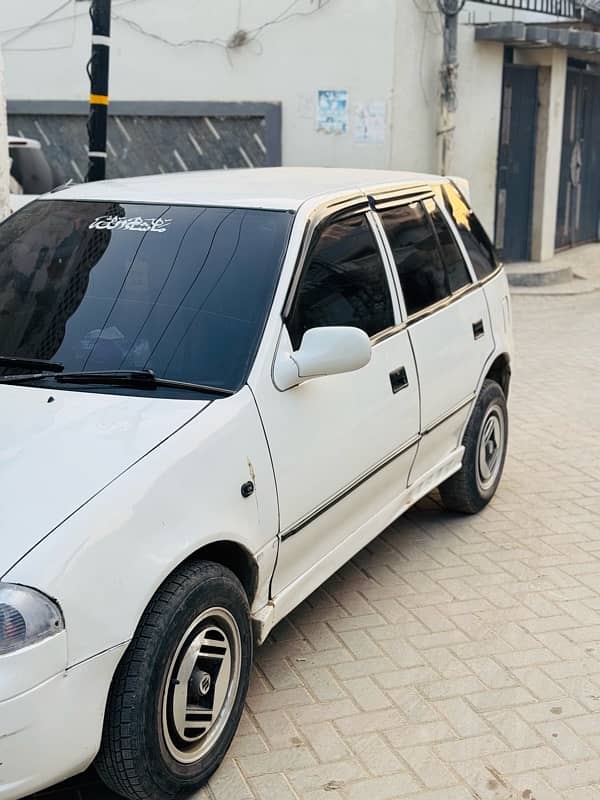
[(234, 557), (500, 372)]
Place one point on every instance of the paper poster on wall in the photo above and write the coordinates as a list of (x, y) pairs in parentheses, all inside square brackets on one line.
[(332, 111), (369, 123)]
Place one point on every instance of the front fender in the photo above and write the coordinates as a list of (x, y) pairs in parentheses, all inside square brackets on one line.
[(105, 562)]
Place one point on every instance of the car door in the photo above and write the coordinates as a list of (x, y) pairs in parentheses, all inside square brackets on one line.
[(448, 323), (341, 445)]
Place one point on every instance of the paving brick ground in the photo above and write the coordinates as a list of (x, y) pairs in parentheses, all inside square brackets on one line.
[(455, 658)]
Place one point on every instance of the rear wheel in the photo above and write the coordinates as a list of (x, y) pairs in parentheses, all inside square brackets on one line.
[(178, 694), (485, 442)]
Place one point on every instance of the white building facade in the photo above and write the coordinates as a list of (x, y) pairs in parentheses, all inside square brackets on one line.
[(200, 84)]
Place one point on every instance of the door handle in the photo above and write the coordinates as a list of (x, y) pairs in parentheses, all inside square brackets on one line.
[(478, 329), (398, 379)]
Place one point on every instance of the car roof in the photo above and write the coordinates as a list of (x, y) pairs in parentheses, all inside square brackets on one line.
[(277, 188)]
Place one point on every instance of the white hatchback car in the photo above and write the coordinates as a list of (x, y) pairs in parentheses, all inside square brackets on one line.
[(216, 388)]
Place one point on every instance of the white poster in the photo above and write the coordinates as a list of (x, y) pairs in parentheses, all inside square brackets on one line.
[(332, 111), (369, 123)]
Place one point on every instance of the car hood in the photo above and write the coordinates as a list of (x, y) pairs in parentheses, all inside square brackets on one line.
[(60, 448)]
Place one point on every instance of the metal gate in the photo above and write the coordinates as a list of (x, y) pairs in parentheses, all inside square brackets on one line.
[(578, 215), (516, 162)]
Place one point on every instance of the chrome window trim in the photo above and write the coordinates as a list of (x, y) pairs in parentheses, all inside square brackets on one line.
[(360, 203), (354, 205), (392, 268), (401, 194), (475, 284), (442, 304), (457, 237), (399, 317), (387, 334)]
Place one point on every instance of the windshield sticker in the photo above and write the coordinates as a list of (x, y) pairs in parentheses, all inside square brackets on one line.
[(113, 223)]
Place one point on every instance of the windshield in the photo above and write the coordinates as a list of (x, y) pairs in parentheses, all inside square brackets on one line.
[(181, 290)]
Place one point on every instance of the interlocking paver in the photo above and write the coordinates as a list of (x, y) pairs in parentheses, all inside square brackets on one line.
[(455, 657), (461, 716), (374, 752)]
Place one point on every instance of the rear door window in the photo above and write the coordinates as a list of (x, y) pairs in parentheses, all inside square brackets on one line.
[(456, 267), (417, 256)]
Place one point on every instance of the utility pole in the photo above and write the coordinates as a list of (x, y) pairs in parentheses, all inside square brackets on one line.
[(450, 10), (98, 73)]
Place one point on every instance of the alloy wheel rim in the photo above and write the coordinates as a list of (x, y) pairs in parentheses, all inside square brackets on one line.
[(201, 686), (490, 448)]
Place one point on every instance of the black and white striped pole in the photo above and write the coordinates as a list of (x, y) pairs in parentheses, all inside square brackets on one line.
[(98, 74)]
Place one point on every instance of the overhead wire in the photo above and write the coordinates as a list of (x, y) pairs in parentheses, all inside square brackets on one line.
[(237, 39), (47, 19), (37, 23)]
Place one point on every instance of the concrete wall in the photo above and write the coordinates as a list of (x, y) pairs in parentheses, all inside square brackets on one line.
[(478, 120), (342, 45), (385, 52), (552, 79)]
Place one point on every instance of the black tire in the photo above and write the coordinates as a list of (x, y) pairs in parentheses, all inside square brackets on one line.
[(468, 491), (142, 754)]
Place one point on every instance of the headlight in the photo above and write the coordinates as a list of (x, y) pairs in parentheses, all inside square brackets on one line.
[(26, 617)]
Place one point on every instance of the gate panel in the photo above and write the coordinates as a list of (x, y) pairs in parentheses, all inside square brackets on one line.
[(516, 162), (579, 194)]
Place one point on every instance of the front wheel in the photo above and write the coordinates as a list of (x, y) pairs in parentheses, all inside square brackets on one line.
[(485, 442), (178, 694)]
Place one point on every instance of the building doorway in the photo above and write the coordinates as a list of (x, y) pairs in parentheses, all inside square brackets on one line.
[(578, 216), (516, 162)]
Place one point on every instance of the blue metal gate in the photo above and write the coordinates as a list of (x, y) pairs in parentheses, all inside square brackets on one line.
[(578, 217), (516, 162)]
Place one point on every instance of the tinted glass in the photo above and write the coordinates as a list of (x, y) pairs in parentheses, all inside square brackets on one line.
[(99, 286), (344, 283), (417, 256), (456, 268), (480, 249)]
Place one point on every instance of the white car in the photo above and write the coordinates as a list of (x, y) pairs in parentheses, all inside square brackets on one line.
[(215, 389)]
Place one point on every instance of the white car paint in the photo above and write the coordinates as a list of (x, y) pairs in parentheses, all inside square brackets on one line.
[(17, 201), (104, 495), (180, 496), (91, 438)]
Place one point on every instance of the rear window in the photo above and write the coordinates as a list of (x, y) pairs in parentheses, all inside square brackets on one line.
[(479, 247), (181, 290)]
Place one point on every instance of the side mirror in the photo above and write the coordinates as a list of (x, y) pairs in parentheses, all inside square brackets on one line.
[(324, 351)]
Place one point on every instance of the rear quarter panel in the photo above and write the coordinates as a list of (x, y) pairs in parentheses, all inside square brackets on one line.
[(498, 298)]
